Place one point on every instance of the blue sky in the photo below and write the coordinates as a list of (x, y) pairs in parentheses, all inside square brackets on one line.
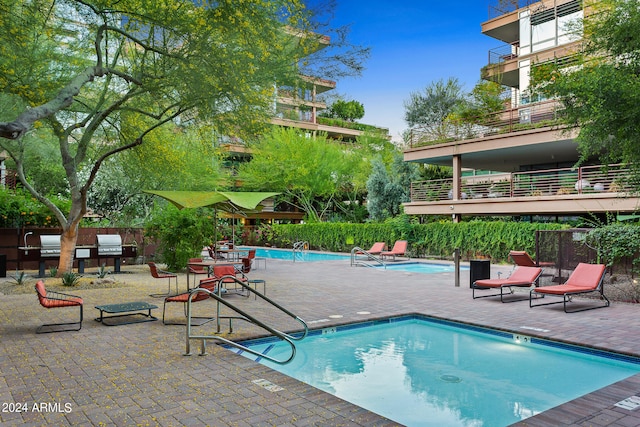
[(413, 43)]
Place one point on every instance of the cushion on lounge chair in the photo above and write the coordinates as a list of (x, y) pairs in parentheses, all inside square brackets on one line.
[(521, 276)]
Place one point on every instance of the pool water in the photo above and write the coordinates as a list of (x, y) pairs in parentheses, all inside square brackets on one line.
[(420, 267), (425, 372), (306, 256), (287, 254)]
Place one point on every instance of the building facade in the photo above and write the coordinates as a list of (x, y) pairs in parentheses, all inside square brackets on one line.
[(531, 157)]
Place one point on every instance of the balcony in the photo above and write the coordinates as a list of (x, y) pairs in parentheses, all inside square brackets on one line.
[(587, 189), (525, 117)]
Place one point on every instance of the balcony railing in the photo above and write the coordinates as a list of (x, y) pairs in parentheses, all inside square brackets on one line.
[(502, 7), (505, 52), (529, 116), (551, 182)]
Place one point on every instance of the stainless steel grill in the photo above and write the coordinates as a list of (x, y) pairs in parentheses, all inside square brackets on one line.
[(109, 244), (50, 246)]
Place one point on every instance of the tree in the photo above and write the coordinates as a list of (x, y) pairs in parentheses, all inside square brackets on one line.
[(427, 112), (101, 77), (600, 91), (307, 170), (387, 191), (347, 110)]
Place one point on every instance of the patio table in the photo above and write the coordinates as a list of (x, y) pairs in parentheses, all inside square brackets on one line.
[(126, 309)]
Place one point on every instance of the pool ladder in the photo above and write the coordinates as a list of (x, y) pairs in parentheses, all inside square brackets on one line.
[(370, 261), (300, 247), (242, 315)]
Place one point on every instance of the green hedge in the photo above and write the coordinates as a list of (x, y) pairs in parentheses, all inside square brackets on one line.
[(476, 238)]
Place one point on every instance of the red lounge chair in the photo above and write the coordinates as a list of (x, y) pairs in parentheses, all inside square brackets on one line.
[(585, 278), (523, 259), (522, 277), (399, 249), (161, 274), (49, 299), (376, 249)]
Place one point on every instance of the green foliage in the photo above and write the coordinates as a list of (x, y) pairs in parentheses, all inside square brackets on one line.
[(616, 242), (429, 111), (53, 271), (308, 171), (387, 190), (19, 209), (181, 234), (346, 110), (493, 239), (70, 278)]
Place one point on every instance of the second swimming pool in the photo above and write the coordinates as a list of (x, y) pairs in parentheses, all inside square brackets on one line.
[(420, 371), (306, 256)]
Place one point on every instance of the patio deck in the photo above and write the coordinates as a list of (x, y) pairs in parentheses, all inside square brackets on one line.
[(137, 374)]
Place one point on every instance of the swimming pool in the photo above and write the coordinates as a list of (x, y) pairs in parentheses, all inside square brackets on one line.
[(411, 267), (420, 267), (420, 371), (287, 254)]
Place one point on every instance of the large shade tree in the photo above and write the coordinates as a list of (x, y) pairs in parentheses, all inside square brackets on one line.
[(101, 76), (600, 90), (310, 171)]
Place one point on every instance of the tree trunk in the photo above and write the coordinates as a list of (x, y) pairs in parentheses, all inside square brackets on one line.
[(68, 241)]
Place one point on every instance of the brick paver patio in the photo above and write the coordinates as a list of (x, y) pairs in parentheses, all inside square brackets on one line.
[(137, 374)]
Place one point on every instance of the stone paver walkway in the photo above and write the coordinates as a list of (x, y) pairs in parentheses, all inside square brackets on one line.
[(137, 375)]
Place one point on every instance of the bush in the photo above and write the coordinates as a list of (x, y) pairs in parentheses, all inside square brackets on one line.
[(492, 239), (181, 234)]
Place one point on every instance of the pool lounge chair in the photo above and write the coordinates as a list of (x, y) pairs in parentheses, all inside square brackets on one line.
[(521, 277), (376, 249), (399, 249), (586, 278)]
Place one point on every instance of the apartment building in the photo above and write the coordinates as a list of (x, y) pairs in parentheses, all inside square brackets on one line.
[(530, 157)]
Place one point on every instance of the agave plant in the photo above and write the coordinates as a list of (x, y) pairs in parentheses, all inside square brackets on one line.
[(70, 279), (102, 271), (21, 278)]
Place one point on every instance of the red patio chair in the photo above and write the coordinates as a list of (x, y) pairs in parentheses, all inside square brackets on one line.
[(50, 299), (399, 249), (161, 274)]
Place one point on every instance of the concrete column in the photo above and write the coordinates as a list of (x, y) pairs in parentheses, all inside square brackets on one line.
[(457, 185)]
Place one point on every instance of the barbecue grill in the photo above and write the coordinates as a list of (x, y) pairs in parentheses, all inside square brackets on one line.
[(109, 245), (50, 246)]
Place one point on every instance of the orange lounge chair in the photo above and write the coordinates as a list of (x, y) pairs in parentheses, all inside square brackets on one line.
[(376, 249), (50, 299), (399, 249), (523, 259), (584, 279), (521, 277)]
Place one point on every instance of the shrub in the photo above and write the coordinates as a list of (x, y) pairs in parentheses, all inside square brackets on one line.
[(181, 234)]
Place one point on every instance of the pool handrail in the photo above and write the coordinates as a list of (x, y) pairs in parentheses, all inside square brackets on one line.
[(370, 257), (217, 295), (300, 246)]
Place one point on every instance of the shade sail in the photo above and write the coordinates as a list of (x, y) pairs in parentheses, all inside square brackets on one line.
[(231, 200)]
